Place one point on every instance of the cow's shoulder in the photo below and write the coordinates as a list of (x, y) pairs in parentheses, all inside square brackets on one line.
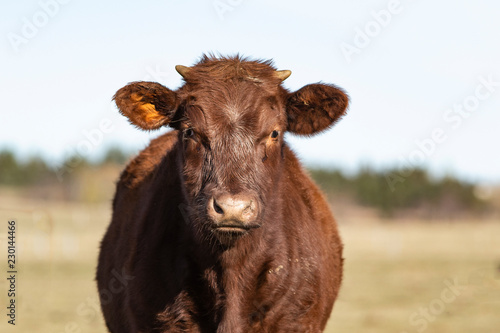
[(297, 179), (148, 159), (303, 196)]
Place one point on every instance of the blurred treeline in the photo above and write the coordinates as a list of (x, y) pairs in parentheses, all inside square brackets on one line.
[(74, 179), (396, 193), (389, 193)]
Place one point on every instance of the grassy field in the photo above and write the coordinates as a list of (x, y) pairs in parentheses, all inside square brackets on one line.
[(400, 276)]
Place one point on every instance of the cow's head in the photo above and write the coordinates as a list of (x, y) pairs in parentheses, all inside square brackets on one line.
[(231, 115)]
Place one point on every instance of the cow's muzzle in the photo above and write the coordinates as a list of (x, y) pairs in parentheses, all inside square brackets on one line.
[(233, 213)]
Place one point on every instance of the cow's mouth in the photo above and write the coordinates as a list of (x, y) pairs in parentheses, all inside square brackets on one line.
[(227, 232), (236, 227), (231, 229)]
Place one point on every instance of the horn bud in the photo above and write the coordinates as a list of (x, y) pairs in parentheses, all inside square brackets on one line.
[(182, 70), (283, 75)]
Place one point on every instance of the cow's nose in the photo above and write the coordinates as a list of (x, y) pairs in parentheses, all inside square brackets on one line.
[(233, 209)]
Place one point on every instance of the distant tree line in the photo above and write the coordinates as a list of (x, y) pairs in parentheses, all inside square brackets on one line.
[(418, 191), (35, 170), (16, 173), (370, 188)]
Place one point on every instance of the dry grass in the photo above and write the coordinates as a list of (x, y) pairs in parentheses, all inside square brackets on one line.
[(394, 270), (391, 271)]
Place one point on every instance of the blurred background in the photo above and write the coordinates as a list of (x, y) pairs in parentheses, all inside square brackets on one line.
[(412, 172)]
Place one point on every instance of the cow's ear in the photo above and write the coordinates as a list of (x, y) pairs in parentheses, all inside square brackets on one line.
[(147, 105), (314, 108)]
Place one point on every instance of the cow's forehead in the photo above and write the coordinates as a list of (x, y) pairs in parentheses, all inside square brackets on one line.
[(233, 106)]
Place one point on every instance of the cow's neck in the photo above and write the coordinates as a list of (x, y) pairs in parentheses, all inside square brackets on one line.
[(241, 268), (236, 271)]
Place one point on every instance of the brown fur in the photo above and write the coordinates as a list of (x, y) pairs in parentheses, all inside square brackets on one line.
[(182, 276)]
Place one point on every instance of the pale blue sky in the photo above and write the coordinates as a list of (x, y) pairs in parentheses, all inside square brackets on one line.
[(428, 58)]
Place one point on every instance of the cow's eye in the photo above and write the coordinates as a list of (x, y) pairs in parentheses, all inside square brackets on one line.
[(274, 134), (188, 133)]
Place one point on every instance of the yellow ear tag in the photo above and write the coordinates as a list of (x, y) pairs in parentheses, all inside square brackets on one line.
[(150, 113)]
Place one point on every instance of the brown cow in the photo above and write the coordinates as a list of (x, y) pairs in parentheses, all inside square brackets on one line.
[(216, 227)]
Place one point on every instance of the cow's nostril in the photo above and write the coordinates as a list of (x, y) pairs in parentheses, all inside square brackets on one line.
[(228, 208), (217, 208)]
